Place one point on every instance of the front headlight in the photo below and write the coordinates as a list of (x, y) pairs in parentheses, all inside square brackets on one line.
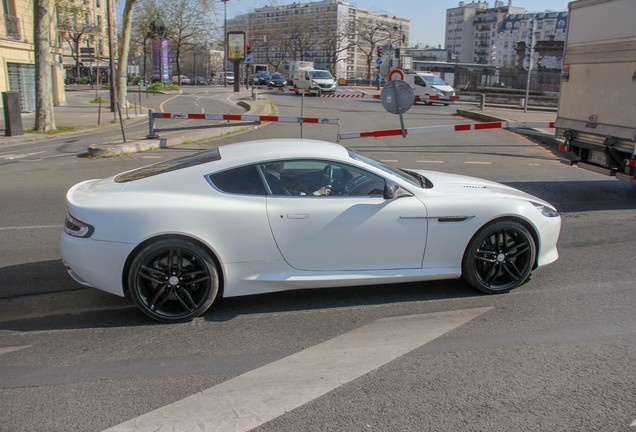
[(545, 210), (77, 228)]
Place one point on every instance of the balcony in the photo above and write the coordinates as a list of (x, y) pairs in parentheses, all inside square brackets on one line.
[(12, 28)]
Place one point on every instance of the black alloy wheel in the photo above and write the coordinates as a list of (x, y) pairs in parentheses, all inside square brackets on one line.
[(500, 257), (173, 280)]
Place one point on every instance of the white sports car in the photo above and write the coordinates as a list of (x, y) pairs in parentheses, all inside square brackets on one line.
[(274, 215)]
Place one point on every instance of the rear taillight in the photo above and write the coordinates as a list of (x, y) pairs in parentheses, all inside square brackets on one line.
[(77, 228)]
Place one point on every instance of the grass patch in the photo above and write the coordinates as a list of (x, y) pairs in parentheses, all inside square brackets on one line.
[(59, 129), (162, 87), (99, 100)]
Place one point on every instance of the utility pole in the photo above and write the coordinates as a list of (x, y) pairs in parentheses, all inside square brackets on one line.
[(111, 69), (530, 53)]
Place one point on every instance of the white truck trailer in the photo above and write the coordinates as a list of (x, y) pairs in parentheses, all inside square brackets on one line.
[(597, 103)]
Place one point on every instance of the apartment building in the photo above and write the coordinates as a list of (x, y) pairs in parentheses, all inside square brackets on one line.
[(18, 57), (515, 29), (477, 33), (334, 34), (471, 29), (83, 34)]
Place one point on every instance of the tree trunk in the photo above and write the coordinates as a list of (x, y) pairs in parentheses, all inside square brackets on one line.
[(43, 17), (122, 62)]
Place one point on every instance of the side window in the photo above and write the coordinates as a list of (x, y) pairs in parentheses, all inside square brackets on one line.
[(419, 81), (245, 181), (320, 178)]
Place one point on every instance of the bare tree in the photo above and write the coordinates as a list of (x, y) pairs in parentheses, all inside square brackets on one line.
[(301, 36), (189, 24), (369, 34), (43, 17), (145, 13), (335, 42)]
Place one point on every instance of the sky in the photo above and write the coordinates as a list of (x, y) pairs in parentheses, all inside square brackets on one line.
[(428, 17)]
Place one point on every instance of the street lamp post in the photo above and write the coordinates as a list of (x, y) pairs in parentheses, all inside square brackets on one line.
[(225, 42)]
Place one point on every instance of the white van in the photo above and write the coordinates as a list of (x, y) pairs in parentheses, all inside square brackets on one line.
[(226, 75), (429, 84), (314, 79)]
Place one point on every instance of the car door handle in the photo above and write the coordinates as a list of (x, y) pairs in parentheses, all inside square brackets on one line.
[(297, 216)]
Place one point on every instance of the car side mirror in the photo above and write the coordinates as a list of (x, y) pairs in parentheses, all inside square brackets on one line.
[(393, 190)]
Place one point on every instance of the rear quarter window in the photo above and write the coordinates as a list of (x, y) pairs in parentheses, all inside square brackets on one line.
[(243, 181)]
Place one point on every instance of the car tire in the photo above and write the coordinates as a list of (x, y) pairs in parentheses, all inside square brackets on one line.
[(499, 257), (173, 280)]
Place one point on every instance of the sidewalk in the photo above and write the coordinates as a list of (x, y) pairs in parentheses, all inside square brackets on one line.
[(82, 114)]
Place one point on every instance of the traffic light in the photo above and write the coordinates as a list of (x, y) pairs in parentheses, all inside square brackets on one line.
[(379, 51), (248, 48), (397, 53)]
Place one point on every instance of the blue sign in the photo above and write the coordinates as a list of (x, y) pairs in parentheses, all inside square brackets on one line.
[(378, 61), (248, 58)]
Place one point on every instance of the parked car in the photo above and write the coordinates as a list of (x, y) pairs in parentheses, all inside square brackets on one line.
[(226, 77), (200, 81), (283, 214), (184, 80), (262, 78), (277, 80)]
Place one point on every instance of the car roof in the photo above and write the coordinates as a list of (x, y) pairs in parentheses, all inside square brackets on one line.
[(273, 149)]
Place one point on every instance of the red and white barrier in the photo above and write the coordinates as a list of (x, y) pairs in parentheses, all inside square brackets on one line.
[(285, 89), (348, 95), (436, 97), (451, 128), (246, 118)]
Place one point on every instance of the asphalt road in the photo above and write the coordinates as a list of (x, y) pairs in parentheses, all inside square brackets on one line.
[(554, 354)]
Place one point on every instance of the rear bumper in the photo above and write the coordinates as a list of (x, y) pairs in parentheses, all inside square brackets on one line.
[(98, 264)]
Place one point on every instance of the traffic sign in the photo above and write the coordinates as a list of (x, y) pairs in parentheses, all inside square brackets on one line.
[(397, 96), (378, 61), (248, 58), (396, 74)]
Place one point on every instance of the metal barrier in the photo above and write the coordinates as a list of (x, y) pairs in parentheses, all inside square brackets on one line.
[(450, 128), (152, 115)]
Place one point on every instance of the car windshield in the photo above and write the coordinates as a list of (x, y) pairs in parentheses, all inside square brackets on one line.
[(434, 80), (320, 74), (403, 175), (278, 76), (169, 165), (230, 74)]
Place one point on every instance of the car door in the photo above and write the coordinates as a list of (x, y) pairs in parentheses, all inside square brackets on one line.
[(353, 228)]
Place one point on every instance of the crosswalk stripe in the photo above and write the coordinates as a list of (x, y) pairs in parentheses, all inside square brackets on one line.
[(258, 396)]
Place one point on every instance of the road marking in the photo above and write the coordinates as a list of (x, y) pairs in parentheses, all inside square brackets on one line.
[(30, 227), (422, 161), (19, 156), (152, 157), (258, 396), (479, 163), (168, 100), (388, 160), (6, 350)]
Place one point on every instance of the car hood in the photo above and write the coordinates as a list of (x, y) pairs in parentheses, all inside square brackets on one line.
[(444, 88), (459, 184)]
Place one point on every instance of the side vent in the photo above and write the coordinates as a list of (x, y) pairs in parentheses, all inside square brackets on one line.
[(474, 186)]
